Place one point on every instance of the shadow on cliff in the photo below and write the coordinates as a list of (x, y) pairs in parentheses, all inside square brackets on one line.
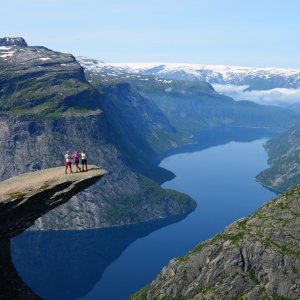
[(67, 264)]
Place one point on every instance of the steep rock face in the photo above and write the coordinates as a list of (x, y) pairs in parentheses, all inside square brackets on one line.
[(284, 161), (137, 118), (255, 258)]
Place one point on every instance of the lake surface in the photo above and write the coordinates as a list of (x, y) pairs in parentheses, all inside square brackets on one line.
[(111, 264)]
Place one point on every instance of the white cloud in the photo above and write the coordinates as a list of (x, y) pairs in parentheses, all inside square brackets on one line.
[(278, 96)]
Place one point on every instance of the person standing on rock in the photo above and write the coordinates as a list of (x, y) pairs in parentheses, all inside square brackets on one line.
[(76, 161), (68, 161), (83, 160)]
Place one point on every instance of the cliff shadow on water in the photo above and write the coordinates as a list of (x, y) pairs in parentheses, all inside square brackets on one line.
[(221, 135), (67, 264)]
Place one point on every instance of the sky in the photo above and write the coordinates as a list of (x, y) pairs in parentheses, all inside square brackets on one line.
[(233, 32)]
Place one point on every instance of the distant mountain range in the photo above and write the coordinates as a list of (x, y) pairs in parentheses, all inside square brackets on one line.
[(263, 85)]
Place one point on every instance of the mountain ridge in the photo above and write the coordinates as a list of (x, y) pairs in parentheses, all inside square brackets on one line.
[(214, 74)]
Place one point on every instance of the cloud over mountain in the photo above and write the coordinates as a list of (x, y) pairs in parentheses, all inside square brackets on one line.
[(277, 96)]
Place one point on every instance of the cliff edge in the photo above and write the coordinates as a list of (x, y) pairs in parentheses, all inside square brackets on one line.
[(26, 197)]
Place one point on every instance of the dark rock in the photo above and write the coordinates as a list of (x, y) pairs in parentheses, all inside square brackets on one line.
[(12, 286)]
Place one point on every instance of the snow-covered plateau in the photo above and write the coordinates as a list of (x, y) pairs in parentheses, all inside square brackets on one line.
[(277, 86)]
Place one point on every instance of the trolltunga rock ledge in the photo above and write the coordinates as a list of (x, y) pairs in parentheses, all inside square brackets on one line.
[(26, 197)]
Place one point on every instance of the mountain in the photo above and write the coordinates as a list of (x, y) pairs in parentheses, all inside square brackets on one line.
[(254, 78), (48, 107), (39, 81), (271, 86), (284, 161), (192, 106), (254, 258)]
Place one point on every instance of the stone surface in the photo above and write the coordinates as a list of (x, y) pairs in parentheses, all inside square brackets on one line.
[(255, 258), (26, 197)]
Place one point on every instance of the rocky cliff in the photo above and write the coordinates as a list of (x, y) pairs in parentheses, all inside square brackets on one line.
[(26, 197), (255, 258), (284, 161), (48, 107)]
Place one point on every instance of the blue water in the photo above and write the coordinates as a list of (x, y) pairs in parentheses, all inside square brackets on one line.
[(111, 264)]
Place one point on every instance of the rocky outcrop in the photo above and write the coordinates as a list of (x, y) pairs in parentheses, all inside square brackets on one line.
[(25, 198), (284, 161), (255, 258)]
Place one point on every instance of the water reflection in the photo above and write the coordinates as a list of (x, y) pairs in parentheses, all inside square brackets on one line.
[(219, 136), (67, 264)]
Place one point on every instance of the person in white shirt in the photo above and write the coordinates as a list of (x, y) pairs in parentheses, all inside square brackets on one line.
[(83, 160), (68, 161)]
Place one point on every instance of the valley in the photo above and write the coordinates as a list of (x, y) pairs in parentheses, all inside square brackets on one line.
[(132, 120)]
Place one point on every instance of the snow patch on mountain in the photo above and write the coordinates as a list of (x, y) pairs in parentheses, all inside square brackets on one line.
[(277, 86)]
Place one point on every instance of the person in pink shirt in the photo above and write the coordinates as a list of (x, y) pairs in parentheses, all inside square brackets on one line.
[(76, 161)]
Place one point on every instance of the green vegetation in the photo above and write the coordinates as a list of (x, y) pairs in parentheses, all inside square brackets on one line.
[(152, 196), (17, 195), (44, 186), (46, 94), (252, 275)]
